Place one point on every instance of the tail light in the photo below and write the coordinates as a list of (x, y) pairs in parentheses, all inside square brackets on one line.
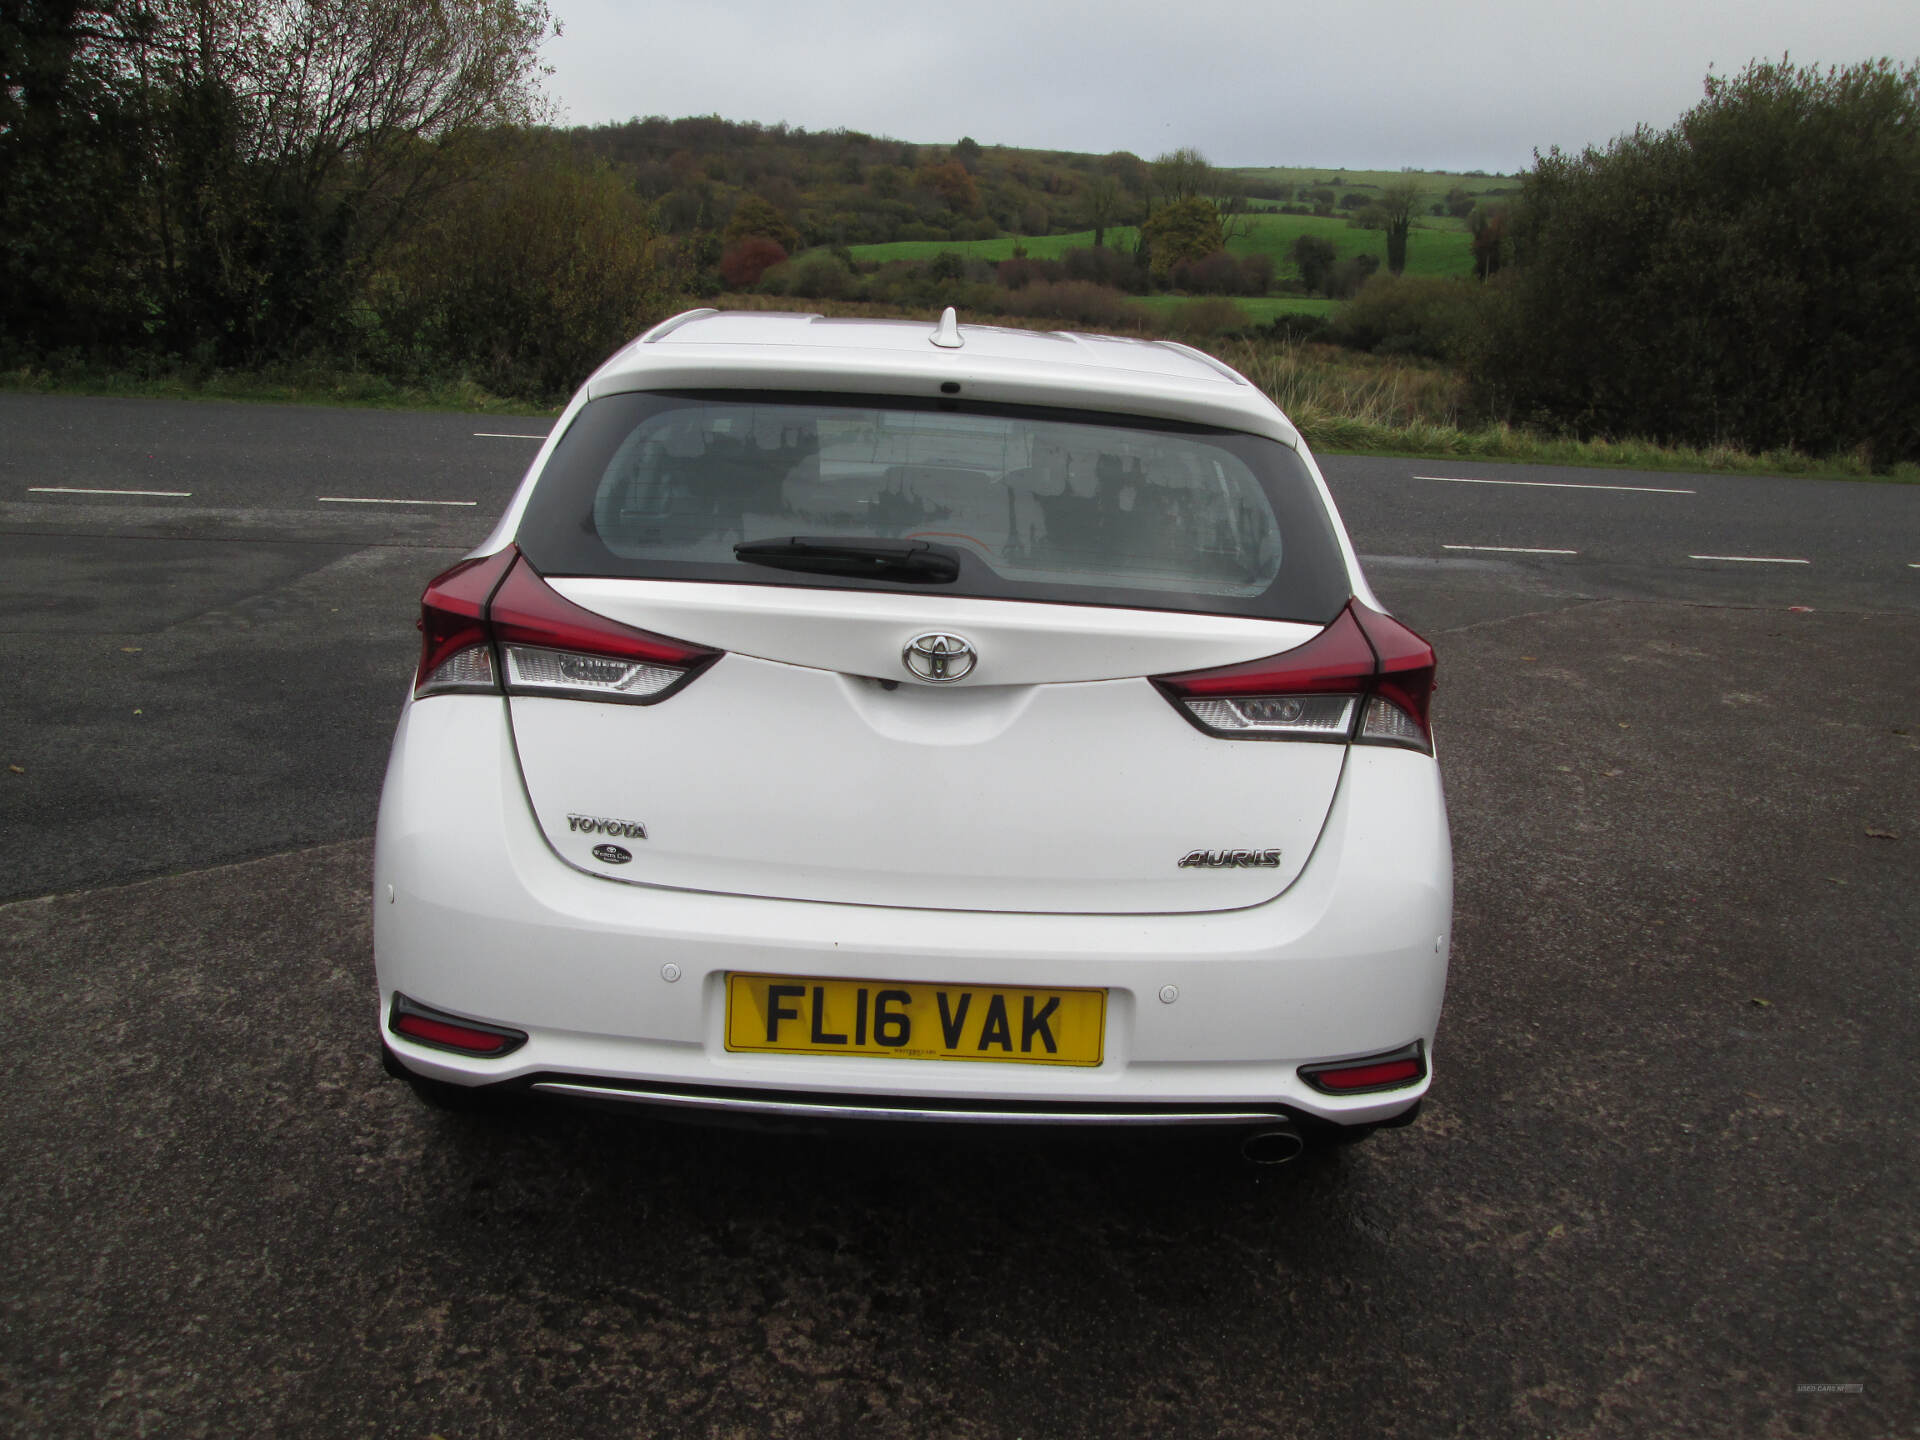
[(1392, 1071), (1366, 678), (495, 620)]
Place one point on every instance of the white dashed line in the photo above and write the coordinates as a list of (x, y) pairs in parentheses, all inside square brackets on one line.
[(76, 490), (1752, 559), (367, 500), (1510, 549), (1557, 485), (503, 435)]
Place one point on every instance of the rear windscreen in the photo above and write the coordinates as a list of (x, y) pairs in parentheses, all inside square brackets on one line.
[(1036, 504)]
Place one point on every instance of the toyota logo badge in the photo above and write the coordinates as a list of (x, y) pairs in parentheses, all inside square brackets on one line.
[(938, 658)]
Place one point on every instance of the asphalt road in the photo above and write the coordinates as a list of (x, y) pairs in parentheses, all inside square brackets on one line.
[(1664, 1182)]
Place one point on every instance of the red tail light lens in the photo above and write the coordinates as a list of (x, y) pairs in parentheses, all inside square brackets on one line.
[(498, 606), (551, 646), (1403, 690), (423, 1026), (455, 649), (1365, 678), (1393, 1071)]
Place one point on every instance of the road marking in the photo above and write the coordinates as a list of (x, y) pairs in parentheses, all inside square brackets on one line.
[(1753, 559), (1557, 485), (372, 500), (503, 435), (1510, 549), (77, 490)]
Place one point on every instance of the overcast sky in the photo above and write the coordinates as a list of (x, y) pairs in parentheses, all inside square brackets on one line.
[(1354, 84)]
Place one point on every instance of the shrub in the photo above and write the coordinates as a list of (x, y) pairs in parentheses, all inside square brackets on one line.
[(1348, 275), (1116, 269), (1209, 317), (1750, 275), (817, 275), (1425, 315), (1215, 274), (1019, 272), (1095, 306), (1293, 329), (745, 261)]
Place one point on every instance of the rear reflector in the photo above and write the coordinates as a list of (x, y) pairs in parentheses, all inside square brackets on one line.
[(423, 1026), (1392, 1071), (499, 606), (1365, 678)]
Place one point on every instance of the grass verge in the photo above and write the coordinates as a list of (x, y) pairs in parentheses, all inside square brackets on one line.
[(278, 385), (1342, 401)]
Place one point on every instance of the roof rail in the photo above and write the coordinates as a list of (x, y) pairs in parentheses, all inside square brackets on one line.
[(667, 327), (1205, 359)]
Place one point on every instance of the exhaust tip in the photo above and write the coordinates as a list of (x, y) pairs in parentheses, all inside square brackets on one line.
[(1271, 1147)]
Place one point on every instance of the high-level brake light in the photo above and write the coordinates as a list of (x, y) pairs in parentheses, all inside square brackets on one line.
[(498, 606), (1365, 678)]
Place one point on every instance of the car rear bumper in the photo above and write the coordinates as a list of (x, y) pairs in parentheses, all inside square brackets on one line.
[(475, 915)]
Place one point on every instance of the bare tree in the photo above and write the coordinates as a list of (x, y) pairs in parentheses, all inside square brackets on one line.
[(1182, 174), (289, 140), (1103, 203), (1398, 203)]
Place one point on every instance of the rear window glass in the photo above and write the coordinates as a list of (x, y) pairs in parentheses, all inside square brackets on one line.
[(1036, 504)]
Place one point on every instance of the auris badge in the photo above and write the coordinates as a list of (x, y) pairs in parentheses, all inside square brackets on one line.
[(1230, 860), (939, 657)]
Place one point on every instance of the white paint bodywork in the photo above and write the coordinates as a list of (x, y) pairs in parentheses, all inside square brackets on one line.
[(485, 920), (1021, 827)]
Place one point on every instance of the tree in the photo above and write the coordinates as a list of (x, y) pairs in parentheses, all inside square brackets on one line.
[(529, 277), (755, 216), (1458, 203), (1488, 226), (276, 148), (1184, 230), (1182, 174), (1313, 256), (1749, 275), (1102, 204), (1398, 203), (951, 182)]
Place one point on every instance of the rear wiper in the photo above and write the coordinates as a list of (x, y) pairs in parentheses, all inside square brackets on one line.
[(911, 560)]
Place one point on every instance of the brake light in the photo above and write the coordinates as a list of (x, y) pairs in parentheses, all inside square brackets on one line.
[(456, 653), (1365, 678), (546, 644)]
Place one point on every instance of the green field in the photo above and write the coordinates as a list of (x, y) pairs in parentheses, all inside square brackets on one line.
[(1435, 247), (1430, 250), (1040, 247), (1341, 181)]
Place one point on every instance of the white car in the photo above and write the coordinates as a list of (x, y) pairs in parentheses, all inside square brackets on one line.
[(859, 719)]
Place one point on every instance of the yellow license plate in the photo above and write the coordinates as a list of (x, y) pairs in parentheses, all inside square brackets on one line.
[(796, 1015)]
